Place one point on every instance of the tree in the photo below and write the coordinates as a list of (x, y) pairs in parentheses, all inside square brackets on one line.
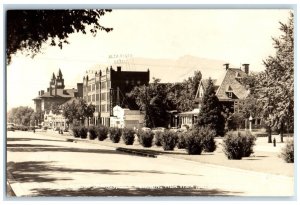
[(277, 87), (28, 30), (210, 112), (78, 110), (152, 99), (36, 118), (20, 115)]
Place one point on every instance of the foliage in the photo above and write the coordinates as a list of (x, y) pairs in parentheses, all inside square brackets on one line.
[(158, 136), (208, 135), (20, 115), (210, 113), (115, 134), (181, 144), (83, 132), (237, 145), (152, 99), (78, 109), (128, 136), (102, 132), (169, 140), (194, 142), (36, 118), (276, 84), (28, 30), (76, 131), (235, 121), (92, 132), (54, 107), (288, 152), (145, 138)]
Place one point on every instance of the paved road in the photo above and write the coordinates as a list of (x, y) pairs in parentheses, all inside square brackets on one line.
[(40, 165)]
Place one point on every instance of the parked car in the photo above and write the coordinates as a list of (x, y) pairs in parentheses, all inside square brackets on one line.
[(158, 129), (145, 129), (10, 127)]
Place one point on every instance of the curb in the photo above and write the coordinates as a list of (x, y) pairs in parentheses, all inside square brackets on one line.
[(135, 152)]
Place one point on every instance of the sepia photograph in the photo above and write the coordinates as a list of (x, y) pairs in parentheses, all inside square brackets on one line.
[(149, 102)]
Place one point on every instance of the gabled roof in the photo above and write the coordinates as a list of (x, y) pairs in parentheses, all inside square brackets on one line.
[(64, 93), (230, 83)]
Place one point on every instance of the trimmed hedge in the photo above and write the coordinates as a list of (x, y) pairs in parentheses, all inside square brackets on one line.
[(288, 152), (157, 138), (208, 135), (194, 142), (128, 136), (92, 132), (169, 140), (181, 144), (83, 132), (76, 132), (145, 138), (115, 134), (102, 132), (237, 145)]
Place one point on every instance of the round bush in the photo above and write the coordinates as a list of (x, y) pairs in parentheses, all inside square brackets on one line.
[(237, 145), (208, 135), (288, 152), (181, 144), (76, 132), (115, 134), (102, 132), (83, 132), (194, 142), (169, 140), (128, 136), (145, 138), (157, 138), (92, 133)]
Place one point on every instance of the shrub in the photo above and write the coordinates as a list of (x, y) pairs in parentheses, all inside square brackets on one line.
[(169, 140), (249, 142), (115, 134), (76, 132), (288, 152), (83, 132), (92, 132), (181, 144), (145, 138), (194, 142), (208, 135), (237, 145), (158, 136), (102, 132), (128, 136)]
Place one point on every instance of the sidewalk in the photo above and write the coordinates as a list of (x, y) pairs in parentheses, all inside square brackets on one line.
[(266, 158)]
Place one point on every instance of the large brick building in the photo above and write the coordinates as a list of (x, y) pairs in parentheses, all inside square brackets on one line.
[(107, 89), (56, 93)]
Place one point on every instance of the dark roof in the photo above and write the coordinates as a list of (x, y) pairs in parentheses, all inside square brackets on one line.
[(230, 83), (66, 93)]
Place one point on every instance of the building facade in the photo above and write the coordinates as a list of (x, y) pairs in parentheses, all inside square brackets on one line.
[(107, 89), (56, 94)]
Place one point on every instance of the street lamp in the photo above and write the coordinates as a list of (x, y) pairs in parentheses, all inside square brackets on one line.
[(250, 123)]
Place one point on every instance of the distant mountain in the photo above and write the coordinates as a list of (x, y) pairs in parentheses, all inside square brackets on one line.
[(169, 70)]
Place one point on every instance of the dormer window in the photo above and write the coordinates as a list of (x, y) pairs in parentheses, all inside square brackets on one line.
[(229, 91), (230, 94)]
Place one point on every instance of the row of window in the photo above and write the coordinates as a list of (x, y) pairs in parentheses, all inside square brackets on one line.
[(96, 86), (95, 97)]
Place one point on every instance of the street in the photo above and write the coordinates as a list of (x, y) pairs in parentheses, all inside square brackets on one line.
[(40, 165)]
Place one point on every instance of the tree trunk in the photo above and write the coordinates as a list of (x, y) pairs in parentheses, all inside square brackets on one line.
[(269, 134), (281, 132)]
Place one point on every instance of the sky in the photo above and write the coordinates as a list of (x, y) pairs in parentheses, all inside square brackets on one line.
[(234, 36)]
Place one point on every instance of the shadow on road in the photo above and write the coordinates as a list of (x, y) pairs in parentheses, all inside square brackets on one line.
[(133, 192), (30, 139)]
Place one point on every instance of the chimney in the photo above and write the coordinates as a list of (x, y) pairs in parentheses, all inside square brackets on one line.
[(246, 68), (39, 93), (226, 65), (79, 90), (118, 68), (42, 92)]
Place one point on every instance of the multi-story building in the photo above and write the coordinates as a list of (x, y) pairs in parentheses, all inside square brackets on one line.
[(107, 89), (56, 93)]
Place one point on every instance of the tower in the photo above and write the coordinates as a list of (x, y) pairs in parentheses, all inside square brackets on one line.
[(60, 84)]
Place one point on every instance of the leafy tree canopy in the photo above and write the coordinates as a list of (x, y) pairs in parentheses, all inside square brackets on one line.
[(28, 30), (20, 115)]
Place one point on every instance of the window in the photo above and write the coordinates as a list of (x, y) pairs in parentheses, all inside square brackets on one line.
[(97, 86), (103, 108), (97, 108), (93, 97), (103, 85), (97, 97), (230, 94), (89, 88), (103, 96), (89, 99)]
